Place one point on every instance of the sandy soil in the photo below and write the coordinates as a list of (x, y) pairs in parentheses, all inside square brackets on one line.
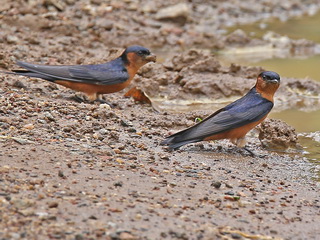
[(72, 170)]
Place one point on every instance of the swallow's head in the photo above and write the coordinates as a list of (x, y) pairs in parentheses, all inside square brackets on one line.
[(138, 56), (267, 83), (270, 77)]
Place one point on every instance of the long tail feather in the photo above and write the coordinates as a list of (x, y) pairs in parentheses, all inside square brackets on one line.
[(174, 143)]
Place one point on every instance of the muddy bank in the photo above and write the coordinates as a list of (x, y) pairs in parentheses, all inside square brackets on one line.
[(179, 24), (85, 171), (71, 170)]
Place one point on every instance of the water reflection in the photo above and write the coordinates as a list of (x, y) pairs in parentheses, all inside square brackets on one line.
[(301, 121), (312, 152), (303, 66), (296, 67), (306, 27)]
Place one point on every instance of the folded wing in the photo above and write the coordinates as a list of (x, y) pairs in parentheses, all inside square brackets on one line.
[(223, 120), (101, 74)]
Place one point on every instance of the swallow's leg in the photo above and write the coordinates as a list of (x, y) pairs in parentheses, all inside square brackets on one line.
[(252, 154), (241, 143)]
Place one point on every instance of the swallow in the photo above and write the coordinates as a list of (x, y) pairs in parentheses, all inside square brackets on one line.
[(235, 120), (93, 80)]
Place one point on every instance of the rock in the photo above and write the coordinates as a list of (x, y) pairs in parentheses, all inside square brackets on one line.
[(210, 64), (79, 237), (178, 13), (19, 84), (185, 59), (61, 174), (103, 131), (22, 204), (314, 135), (278, 135), (104, 106), (278, 41), (104, 23), (49, 116), (238, 37), (149, 7), (230, 193), (217, 184), (118, 184), (252, 211), (5, 5), (236, 236), (27, 212), (127, 236), (53, 204), (12, 39), (28, 126), (58, 4)]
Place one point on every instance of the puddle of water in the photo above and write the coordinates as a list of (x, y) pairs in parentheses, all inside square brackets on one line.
[(301, 121), (306, 27), (296, 28), (178, 106), (296, 67), (312, 149)]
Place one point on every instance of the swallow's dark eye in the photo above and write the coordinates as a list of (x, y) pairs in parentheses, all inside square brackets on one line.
[(266, 77), (143, 52)]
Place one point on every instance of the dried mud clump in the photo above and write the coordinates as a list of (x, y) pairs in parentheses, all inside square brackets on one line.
[(195, 74), (277, 135), (308, 87), (237, 38)]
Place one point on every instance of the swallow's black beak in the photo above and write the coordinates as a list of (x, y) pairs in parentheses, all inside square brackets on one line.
[(274, 81), (151, 58)]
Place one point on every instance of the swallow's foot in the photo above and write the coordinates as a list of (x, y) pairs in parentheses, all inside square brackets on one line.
[(102, 101), (83, 99), (78, 99), (252, 154)]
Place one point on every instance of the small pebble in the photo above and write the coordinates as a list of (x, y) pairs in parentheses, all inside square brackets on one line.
[(53, 204), (217, 184)]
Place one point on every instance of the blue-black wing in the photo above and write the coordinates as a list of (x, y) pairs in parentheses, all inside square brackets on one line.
[(248, 109), (109, 73)]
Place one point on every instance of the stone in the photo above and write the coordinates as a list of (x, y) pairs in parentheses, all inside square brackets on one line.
[(178, 13)]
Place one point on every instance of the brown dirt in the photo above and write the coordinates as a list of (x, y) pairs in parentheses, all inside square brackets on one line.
[(85, 171)]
